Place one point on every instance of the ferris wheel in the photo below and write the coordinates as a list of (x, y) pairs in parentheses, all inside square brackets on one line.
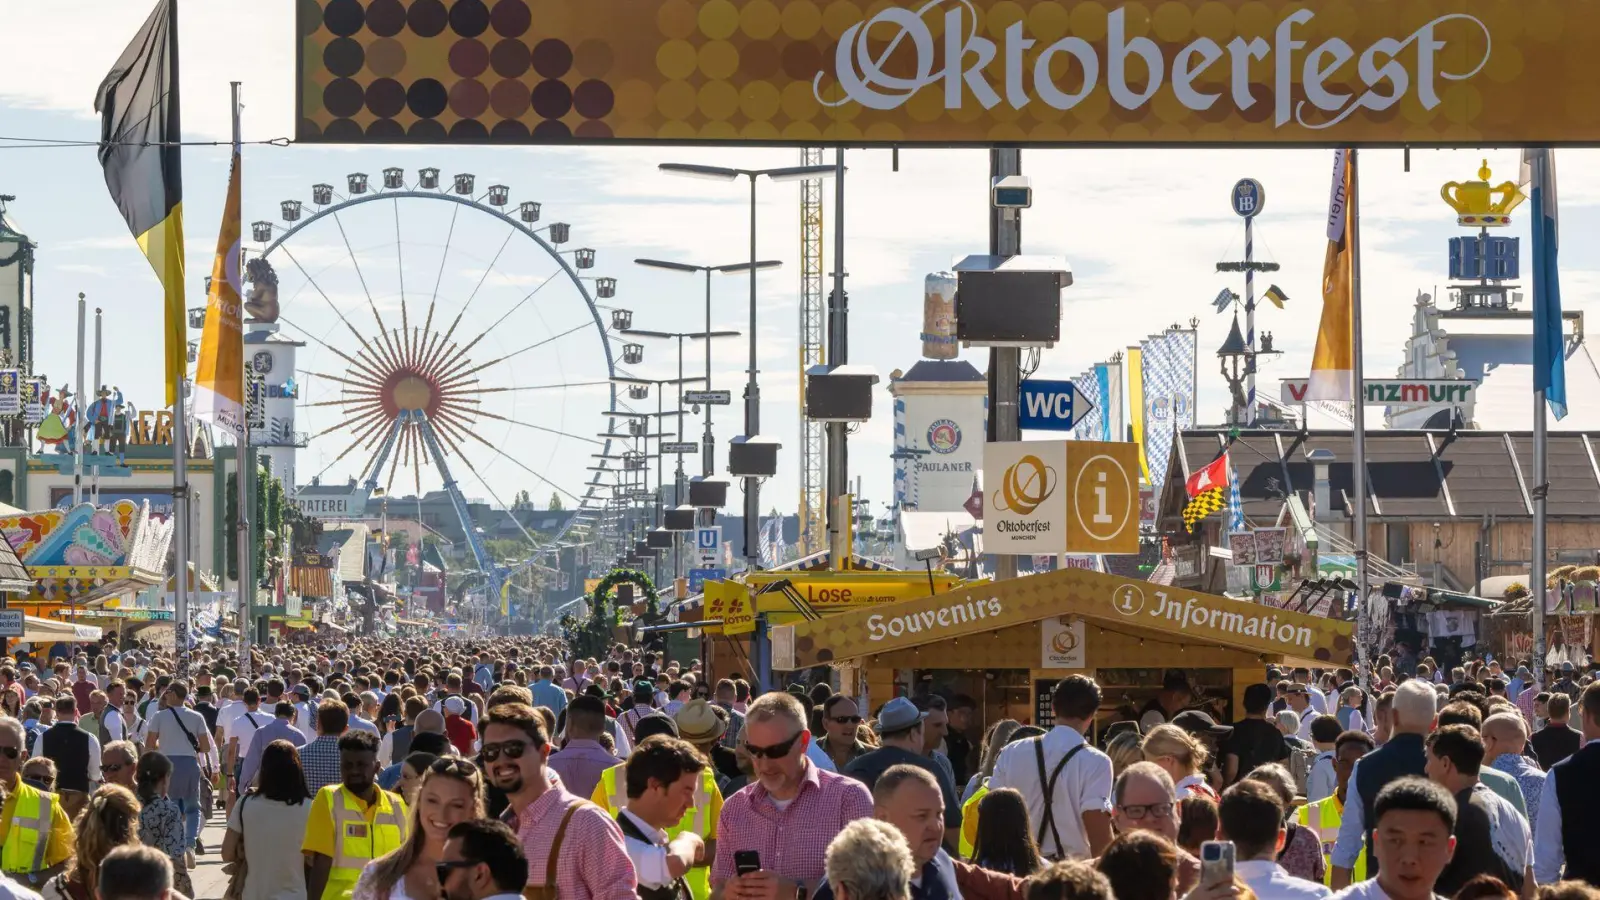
[(454, 341)]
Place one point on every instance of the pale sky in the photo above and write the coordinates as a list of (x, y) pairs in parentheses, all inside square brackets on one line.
[(1142, 229)]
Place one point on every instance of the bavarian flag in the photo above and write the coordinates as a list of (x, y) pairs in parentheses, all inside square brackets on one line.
[(139, 131), (1206, 489)]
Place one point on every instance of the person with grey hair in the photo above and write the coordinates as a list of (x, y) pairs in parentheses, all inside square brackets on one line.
[(118, 762), (136, 873), (1412, 716), (869, 860)]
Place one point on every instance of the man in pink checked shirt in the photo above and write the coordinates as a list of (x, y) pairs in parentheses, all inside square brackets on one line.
[(561, 833), (788, 815)]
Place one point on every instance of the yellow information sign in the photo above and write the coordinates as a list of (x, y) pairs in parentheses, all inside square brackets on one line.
[(827, 591), (730, 602), (1102, 483)]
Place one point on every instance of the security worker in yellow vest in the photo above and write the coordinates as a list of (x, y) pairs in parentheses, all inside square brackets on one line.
[(36, 838), (1324, 816), (351, 823), (701, 817)]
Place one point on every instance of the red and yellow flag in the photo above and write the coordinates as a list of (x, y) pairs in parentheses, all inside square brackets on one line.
[(219, 374)]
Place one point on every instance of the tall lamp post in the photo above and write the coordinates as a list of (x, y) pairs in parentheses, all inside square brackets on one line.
[(752, 393), (707, 455), (660, 414)]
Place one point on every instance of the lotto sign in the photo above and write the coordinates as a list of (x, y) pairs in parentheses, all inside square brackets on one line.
[(942, 72), (729, 601)]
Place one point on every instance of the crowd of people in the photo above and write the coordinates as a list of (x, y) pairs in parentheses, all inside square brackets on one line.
[(414, 769)]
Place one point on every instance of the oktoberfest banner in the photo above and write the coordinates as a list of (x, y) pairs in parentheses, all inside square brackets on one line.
[(34, 392), (219, 374), (948, 72), (1168, 364), (10, 392)]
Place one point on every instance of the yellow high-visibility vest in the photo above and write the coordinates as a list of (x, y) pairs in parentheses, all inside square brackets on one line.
[(612, 793), (356, 841), (28, 836), (1323, 818), (969, 820)]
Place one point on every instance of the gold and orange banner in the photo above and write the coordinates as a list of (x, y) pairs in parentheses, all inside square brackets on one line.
[(219, 369), (943, 72)]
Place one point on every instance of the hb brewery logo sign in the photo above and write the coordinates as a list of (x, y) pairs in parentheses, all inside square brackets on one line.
[(1343, 72)]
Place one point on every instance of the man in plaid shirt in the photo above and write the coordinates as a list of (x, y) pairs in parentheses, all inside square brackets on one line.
[(789, 814), (320, 758)]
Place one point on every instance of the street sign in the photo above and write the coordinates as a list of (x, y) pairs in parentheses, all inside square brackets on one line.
[(699, 577), (683, 447), (710, 398), (1248, 198), (1051, 405), (708, 544), (1102, 481), (12, 623)]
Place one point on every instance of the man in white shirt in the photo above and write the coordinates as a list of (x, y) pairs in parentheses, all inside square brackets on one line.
[(237, 733), (1299, 699), (1074, 820), (661, 774), (305, 712), (1302, 678), (1554, 848), (1251, 816), (1412, 838)]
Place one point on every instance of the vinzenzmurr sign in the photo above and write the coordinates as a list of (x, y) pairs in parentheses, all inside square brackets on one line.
[(950, 71)]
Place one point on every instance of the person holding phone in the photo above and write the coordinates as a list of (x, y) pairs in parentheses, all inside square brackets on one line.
[(1251, 817), (787, 815)]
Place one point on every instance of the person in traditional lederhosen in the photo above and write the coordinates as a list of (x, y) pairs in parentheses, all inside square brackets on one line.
[(662, 775)]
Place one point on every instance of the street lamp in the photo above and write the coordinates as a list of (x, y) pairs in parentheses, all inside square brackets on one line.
[(752, 396), (660, 383), (707, 454)]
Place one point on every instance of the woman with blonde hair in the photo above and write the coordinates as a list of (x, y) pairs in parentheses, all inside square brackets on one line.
[(1181, 756), (109, 820), (1124, 748), (452, 791)]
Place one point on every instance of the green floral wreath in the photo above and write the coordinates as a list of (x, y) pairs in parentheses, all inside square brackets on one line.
[(593, 637)]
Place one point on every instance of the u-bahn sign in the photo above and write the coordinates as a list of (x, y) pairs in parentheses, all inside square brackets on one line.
[(941, 72)]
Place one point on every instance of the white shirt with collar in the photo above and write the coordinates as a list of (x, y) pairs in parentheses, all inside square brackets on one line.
[(649, 859), (1083, 786), (1549, 851), (1269, 881)]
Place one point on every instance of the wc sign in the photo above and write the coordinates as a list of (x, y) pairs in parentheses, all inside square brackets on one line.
[(1051, 405)]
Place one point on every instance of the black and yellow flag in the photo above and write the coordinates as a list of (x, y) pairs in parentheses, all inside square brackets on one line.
[(139, 134)]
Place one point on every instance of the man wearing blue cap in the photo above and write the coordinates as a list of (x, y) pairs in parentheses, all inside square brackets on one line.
[(900, 728)]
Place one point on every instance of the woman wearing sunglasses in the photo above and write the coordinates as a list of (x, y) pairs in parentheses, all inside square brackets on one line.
[(452, 791)]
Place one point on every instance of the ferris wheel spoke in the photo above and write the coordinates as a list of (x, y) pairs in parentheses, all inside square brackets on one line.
[(336, 311), (427, 327), (340, 353), (383, 330), (520, 464), (457, 374), (400, 265), (528, 387), (489, 415)]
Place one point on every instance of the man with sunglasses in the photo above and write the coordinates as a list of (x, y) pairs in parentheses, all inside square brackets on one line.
[(561, 833), (482, 861), (841, 719), (38, 832), (119, 762), (788, 815)]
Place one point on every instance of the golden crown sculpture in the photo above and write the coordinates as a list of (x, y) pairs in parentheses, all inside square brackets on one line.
[(1478, 205)]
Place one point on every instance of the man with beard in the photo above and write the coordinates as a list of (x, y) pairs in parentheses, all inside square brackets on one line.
[(352, 822), (564, 837), (482, 861)]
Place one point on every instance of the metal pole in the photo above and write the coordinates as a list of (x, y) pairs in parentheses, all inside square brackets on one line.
[(180, 510), (752, 407), (708, 447), (243, 483), (1360, 478), (838, 354), (79, 410), (1250, 320), (1005, 363), (94, 484)]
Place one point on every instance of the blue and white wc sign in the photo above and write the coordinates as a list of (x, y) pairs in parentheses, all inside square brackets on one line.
[(1051, 405)]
